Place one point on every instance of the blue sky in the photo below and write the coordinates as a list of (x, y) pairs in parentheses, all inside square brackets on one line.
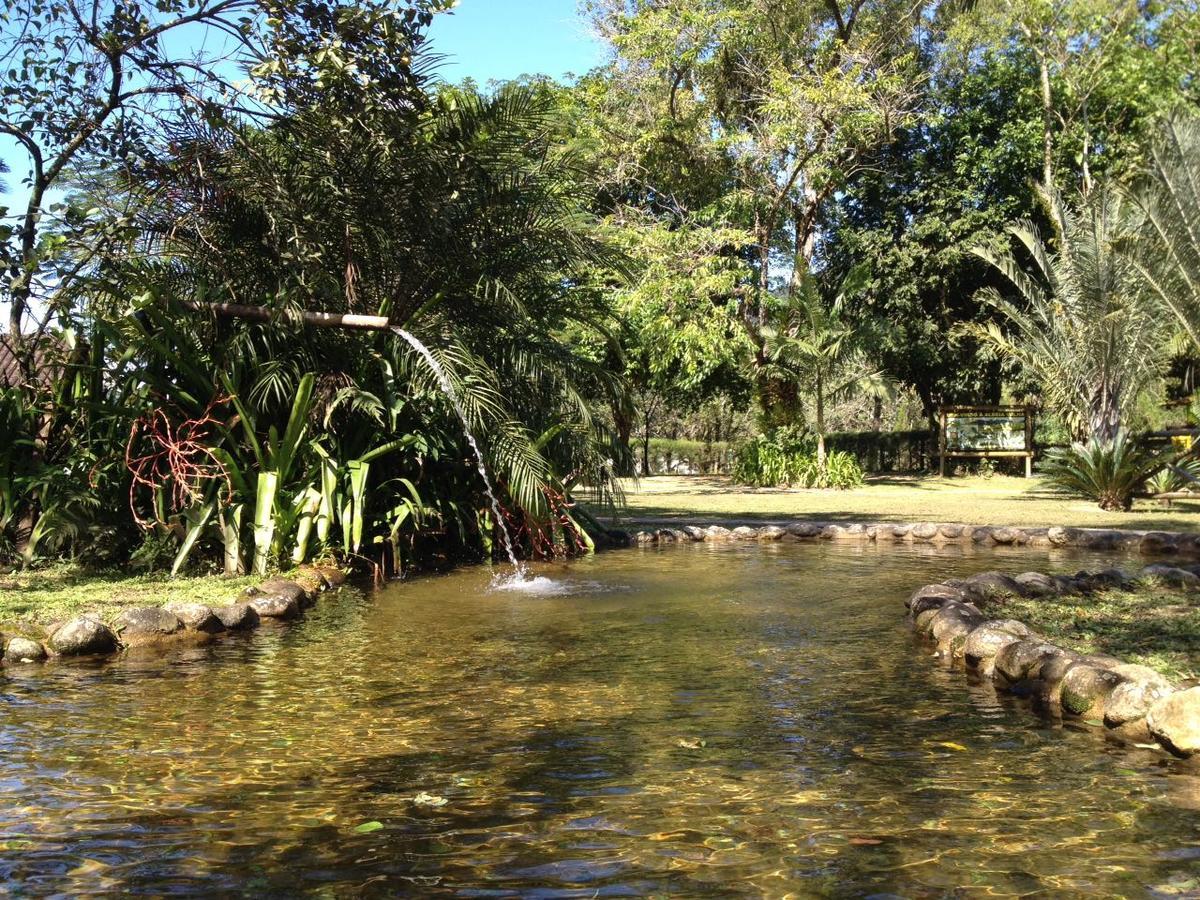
[(501, 39)]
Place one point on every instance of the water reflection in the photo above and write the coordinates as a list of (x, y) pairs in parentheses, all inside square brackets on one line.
[(702, 720)]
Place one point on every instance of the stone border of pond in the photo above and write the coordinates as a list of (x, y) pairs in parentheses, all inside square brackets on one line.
[(1165, 543), (1134, 702), (175, 623)]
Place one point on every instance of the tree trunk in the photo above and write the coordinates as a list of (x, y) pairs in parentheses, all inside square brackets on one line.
[(1047, 121), (820, 424)]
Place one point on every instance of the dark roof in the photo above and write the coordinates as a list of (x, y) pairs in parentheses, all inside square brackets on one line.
[(48, 361)]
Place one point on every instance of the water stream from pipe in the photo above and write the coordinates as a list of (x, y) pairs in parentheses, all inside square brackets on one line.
[(448, 389)]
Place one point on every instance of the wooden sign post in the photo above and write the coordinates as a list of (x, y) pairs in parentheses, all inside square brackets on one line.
[(985, 432)]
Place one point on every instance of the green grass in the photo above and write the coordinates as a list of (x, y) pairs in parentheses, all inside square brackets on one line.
[(1152, 626), (999, 500), (29, 601)]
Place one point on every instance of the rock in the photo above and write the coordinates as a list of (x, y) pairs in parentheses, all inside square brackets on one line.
[(1024, 659), (694, 532), (930, 601), (981, 535), (745, 533), (236, 616), (196, 617), (276, 606), (954, 620), (645, 537), (333, 575), (718, 533), (1051, 675), (934, 590), (950, 532), (1100, 540), (1172, 576), (771, 533), (924, 531), (148, 625), (1036, 584), (1066, 584), (1008, 536), (1086, 686), (832, 532), (21, 649), (312, 582), (83, 636), (1131, 700), (1158, 542), (1061, 537), (990, 584), (1175, 721), (805, 530), (984, 642), (1140, 674), (288, 588), (665, 536), (620, 537)]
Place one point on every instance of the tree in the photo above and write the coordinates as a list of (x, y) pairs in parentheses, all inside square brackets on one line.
[(101, 85), (773, 105), (1092, 341), (1166, 255), (816, 345)]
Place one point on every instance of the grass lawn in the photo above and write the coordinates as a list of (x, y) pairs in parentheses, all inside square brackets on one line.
[(31, 600), (1152, 626), (999, 500)]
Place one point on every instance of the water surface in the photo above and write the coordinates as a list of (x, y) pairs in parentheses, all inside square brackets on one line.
[(701, 720)]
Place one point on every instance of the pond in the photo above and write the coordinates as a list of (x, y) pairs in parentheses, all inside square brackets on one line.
[(699, 720)]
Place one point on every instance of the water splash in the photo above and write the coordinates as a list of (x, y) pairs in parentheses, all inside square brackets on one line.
[(448, 389)]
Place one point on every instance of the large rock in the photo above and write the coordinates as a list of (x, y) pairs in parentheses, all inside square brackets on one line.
[(1061, 537), (718, 533), (1023, 660), (984, 642), (951, 531), (237, 616), (1009, 536), (930, 601), (924, 531), (1131, 700), (275, 606), (745, 533), (694, 532), (645, 537), (805, 530), (196, 616), (771, 533), (952, 621), (1172, 576), (1087, 687), (1175, 722), (283, 587), (147, 625), (991, 584), (934, 590), (332, 575), (22, 649), (83, 636), (1037, 584), (1158, 542)]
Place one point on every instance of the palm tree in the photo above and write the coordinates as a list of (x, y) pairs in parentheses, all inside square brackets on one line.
[(1081, 326), (814, 345), (1166, 254)]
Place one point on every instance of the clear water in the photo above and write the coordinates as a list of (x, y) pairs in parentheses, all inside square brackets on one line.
[(697, 721)]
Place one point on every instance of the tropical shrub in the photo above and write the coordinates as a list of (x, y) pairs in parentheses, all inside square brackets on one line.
[(1108, 472), (778, 461), (1169, 479)]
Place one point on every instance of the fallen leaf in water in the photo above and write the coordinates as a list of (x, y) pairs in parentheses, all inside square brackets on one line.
[(424, 799), (865, 842), (950, 745), (368, 827)]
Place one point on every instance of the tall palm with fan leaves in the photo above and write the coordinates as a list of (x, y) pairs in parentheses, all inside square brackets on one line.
[(1079, 323)]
